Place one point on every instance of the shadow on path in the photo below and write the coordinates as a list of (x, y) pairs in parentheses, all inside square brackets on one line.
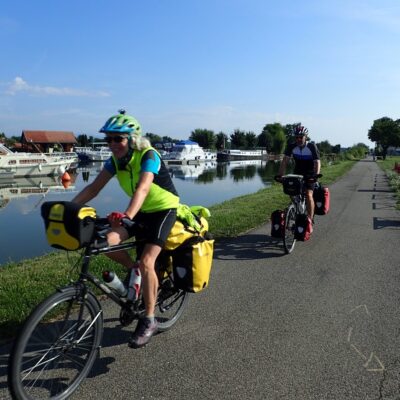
[(251, 246)]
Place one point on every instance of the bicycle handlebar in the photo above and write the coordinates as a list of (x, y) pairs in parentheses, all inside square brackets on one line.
[(308, 178)]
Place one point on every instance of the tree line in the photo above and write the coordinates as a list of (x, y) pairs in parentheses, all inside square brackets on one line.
[(274, 137), (385, 132)]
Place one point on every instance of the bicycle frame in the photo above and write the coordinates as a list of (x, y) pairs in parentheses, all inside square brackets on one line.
[(85, 275)]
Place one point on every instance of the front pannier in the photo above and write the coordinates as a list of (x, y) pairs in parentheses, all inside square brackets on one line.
[(69, 226), (278, 224), (292, 184)]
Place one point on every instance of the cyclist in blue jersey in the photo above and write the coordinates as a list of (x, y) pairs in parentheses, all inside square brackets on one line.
[(307, 163), (153, 201)]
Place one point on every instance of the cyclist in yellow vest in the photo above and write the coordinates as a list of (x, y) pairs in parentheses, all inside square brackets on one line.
[(153, 202)]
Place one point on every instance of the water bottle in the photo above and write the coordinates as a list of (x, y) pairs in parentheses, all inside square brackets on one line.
[(111, 279), (135, 281)]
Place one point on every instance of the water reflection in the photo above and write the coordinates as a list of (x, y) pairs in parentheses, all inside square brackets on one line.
[(236, 170), (24, 187)]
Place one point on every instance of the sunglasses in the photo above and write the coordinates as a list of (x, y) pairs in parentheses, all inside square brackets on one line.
[(116, 139), (299, 136)]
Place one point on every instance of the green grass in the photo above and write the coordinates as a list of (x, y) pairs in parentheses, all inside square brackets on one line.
[(394, 177), (26, 283)]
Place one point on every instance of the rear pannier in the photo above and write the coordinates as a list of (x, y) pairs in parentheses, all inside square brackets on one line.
[(68, 225), (303, 228), (321, 199), (192, 263)]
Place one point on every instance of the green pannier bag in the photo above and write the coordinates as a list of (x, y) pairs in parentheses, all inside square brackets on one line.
[(69, 226)]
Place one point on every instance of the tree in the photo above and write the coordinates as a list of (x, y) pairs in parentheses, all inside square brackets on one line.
[(82, 140), (274, 137), (204, 137), (167, 139), (325, 147), (279, 142), (222, 140), (153, 138), (251, 140), (385, 132), (238, 139)]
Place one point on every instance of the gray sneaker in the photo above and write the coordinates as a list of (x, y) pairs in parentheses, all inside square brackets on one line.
[(145, 329)]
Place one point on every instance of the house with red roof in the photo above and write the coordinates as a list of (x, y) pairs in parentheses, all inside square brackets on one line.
[(47, 141)]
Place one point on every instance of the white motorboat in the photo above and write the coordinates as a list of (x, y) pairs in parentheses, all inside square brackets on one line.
[(100, 153), (233, 154), (185, 151), (34, 164)]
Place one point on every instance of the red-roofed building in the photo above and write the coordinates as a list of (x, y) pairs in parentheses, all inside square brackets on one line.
[(47, 141)]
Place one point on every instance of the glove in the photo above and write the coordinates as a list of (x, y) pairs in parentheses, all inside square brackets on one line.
[(115, 217)]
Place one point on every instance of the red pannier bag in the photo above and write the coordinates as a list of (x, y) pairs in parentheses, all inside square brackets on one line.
[(321, 197), (303, 228), (278, 224)]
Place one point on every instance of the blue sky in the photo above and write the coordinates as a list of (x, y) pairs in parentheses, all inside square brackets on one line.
[(178, 65)]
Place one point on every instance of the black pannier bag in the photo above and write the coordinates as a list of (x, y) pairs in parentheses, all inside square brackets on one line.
[(278, 224), (303, 228), (292, 184), (69, 226), (321, 197)]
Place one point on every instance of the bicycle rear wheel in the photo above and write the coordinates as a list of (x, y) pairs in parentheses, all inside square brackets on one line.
[(56, 346), (289, 240), (171, 302)]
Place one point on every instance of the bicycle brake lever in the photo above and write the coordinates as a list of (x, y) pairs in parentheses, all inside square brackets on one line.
[(127, 223)]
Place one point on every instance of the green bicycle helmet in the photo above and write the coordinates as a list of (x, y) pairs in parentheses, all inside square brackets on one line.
[(122, 123)]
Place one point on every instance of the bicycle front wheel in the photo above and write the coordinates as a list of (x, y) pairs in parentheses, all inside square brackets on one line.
[(289, 240), (56, 346)]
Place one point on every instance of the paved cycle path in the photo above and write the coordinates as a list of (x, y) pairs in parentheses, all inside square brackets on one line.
[(321, 323)]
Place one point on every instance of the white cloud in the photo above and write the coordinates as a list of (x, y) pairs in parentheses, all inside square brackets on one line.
[(19, 86)]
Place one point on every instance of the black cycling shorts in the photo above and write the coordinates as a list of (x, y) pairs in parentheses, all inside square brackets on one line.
[(309, 185), (157, 226)]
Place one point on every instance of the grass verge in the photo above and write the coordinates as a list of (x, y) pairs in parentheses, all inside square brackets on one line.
[(26, 283), (394, 177)]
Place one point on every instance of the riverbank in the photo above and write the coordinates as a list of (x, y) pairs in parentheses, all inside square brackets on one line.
[(26, 283)]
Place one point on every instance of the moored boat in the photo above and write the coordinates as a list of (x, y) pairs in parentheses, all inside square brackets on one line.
[(99, 153), (234, 154), (185, 151), (34, 164)]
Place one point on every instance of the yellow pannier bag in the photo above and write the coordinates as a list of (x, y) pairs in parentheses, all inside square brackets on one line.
[(181, 232), (192, 263), (69, 226)]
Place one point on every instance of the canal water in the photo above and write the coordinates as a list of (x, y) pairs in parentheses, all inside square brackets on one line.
[(22, 229)]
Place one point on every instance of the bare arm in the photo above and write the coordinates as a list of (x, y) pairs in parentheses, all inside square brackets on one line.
[(317, 166), (141, 192), (282, 168), (93, 189)]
